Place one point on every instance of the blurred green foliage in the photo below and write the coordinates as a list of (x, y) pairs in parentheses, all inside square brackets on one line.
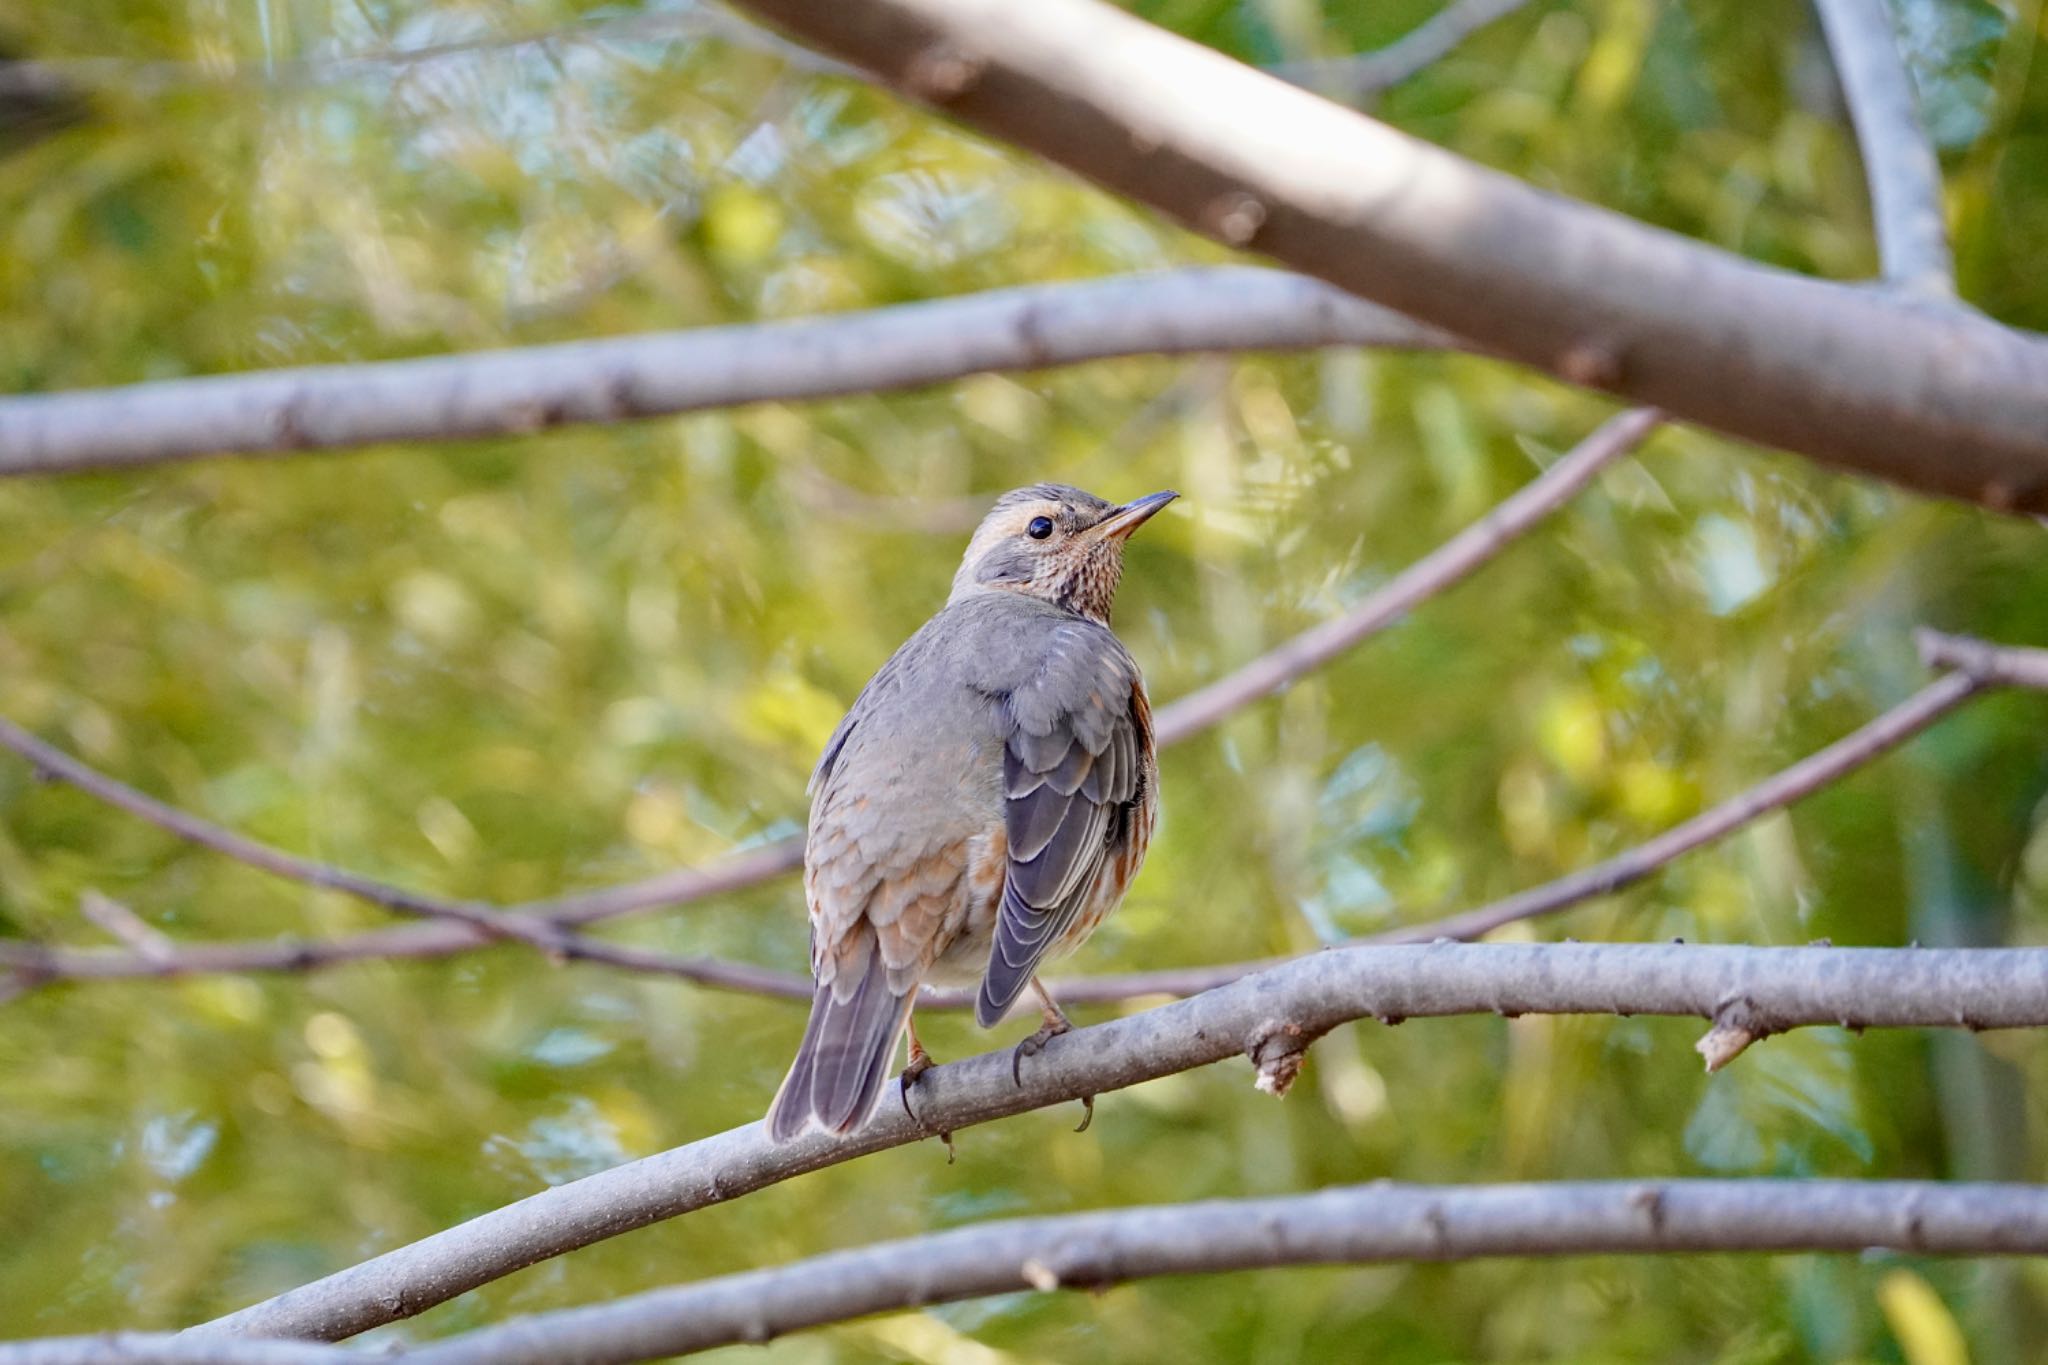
[(508, 668)]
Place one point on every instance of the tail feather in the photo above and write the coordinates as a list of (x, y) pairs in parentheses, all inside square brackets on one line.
[(836, 1080)]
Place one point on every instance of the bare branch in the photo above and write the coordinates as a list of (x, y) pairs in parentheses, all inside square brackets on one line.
[(495, 393), (1939, 400), (1442, 568), (46, 75), (32, 964), (1355, 78), (1346, 1225), (163, 1348), (1379, 1222), (39, 964), (128, 927), (1775, 988), (1898, 159), (1993, 665)]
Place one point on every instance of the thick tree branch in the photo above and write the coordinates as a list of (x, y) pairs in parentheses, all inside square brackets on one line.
[(1938, 400), (1356, 78), (1272, 1017), (495, 393), (1898, 159)]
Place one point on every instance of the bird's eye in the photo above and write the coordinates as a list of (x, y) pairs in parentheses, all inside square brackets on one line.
[(1040, 527)]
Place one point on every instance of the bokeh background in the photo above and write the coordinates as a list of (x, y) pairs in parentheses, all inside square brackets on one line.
[(508, 668)]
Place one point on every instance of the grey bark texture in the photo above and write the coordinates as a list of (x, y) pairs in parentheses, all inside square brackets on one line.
[(1271, 1017)]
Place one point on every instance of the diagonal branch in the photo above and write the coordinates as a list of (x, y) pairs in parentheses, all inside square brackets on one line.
[(1941, 401), (485, 921), (1898, 159), (515, 392), (1861, 746), (1272, 1017), (1355, 78), (1444, 567)]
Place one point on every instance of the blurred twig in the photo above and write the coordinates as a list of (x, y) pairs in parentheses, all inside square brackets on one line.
[(1355, 78), (1442, 568), (1898, 159), (1271, 1018), (144, 77), (34, 964)]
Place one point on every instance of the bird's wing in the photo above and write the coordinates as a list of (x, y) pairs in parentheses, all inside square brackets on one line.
[(1071, 742)]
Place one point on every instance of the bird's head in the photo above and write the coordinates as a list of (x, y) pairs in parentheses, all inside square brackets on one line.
[(1054, 543)]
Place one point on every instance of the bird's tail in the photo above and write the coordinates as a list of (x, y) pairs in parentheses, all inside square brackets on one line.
[(836, 1079)]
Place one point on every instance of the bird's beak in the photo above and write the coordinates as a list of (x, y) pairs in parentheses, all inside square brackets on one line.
[(1119, 524)]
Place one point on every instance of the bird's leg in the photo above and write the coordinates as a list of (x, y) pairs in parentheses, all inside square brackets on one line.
[(1056, 1023), (919, 1062)]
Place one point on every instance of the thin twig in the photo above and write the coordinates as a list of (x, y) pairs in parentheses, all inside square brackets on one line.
[(165, 1348), (1355, 78), (488, 921), (494, 393), (148, 77), (1898, 159), (1272, 1017), (1993, 665), (128, 927), (1442, 568)]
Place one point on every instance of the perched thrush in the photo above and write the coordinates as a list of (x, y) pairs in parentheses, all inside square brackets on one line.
[(983, 805)]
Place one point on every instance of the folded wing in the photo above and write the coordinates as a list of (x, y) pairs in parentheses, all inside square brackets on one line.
[(1070, 776)]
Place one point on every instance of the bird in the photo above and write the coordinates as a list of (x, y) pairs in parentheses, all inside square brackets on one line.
[(984, 804)]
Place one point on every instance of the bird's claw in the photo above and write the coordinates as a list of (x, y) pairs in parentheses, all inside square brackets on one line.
[(913, 1070), (1087, 1113), (1034, 1045), (919, 1063)]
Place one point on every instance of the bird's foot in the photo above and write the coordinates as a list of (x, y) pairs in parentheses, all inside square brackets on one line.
[(1056, 1023), (1053, 1027), (920, 1062)]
